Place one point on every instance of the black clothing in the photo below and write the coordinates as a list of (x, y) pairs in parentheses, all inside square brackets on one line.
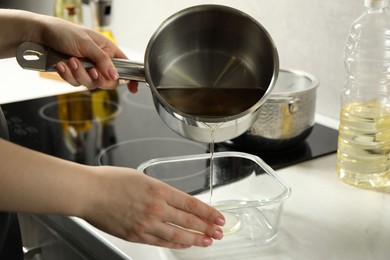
[(10, 238)]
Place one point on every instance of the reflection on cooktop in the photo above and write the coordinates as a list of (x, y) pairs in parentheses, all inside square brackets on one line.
[(136, 151), (80, 131)]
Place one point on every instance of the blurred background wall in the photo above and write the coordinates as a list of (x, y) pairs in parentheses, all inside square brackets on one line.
[(309, 34)]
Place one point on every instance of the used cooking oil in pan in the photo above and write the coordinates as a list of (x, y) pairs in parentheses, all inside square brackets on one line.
[(210, 102)]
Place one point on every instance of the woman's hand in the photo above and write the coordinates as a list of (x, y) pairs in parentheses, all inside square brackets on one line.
[(138, 208), (63, 36), (120, 201), (78, 41)]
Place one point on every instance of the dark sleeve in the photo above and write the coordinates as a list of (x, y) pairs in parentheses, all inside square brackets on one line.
[(3, 126), (10, 238)]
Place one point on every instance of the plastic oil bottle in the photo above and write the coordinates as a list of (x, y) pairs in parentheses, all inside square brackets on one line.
[(363, 155)]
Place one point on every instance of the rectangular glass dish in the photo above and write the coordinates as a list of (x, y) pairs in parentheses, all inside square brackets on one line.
[(245, 189)]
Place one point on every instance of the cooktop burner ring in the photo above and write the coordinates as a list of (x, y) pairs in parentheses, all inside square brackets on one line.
[(29, 129), (43, 111), (158, 147)]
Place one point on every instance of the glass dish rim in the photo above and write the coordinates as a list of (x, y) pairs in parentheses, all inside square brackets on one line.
[(285, 194)]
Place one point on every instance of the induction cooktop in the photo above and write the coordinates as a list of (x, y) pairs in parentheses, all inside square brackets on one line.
[(115, 127)]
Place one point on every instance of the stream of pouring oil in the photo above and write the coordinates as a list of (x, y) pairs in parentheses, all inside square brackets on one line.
[(233, 222), (213, 129), (214, 102)]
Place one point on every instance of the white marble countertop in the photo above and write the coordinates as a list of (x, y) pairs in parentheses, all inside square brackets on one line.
[(323, 219)]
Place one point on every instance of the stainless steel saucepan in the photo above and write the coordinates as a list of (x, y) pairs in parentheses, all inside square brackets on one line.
[(206, 65)]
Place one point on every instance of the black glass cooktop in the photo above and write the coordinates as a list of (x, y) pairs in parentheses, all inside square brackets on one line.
[(119, 128)]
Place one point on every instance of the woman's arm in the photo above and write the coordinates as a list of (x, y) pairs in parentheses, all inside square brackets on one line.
[(16, 27), (120, 201), (19, 26), (37, 183)]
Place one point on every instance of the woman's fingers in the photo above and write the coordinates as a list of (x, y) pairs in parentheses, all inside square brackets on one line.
[(74, 73), (167, 235), (194, 206), (66, 74), (194, 223), (80, 74), (183, 220), (100, 52), (178, 235)]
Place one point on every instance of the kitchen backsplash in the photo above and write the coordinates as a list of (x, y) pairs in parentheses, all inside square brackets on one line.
[(309, 34)]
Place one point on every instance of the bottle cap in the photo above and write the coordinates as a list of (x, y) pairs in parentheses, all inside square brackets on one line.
[(376, 3)]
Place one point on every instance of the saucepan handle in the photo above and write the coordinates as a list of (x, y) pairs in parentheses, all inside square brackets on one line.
[(34, 56)]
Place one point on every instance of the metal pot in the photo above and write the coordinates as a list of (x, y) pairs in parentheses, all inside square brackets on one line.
[(212, 47), (207, 48), (286, 118)]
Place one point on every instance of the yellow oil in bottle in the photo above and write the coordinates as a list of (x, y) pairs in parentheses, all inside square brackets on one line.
[(363, 156)]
